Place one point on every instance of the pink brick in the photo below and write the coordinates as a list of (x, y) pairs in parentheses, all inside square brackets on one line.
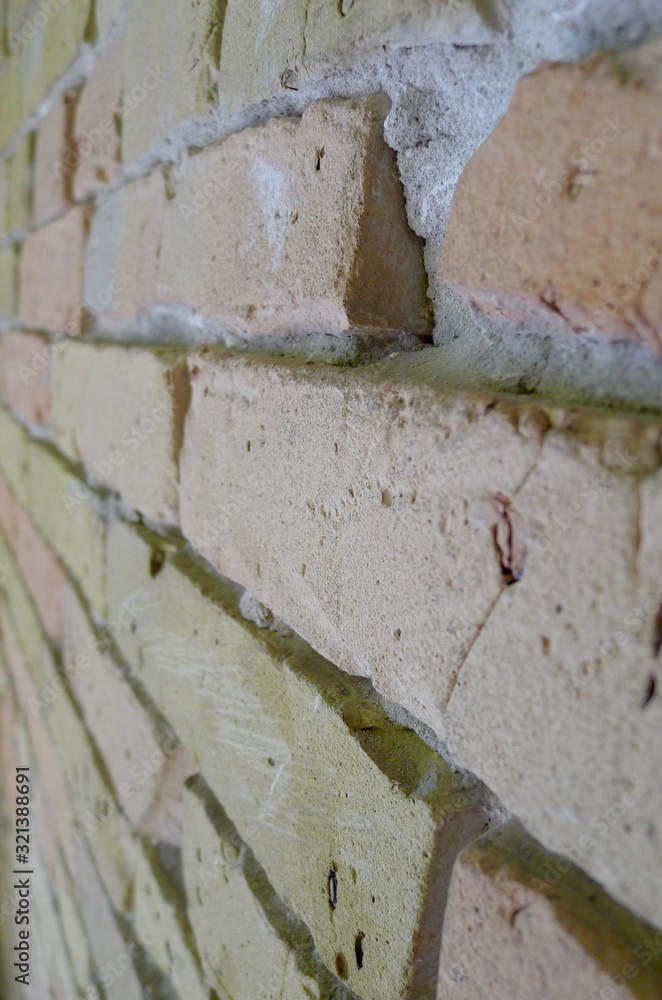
[(53, 167), (25, 375), (51, 275), (39, 567)]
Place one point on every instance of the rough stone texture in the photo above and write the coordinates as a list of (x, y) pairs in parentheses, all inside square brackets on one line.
[(125, 428), (53, 158), (249, 240), (240, 951), (269, 46), (122, 253), (147, 767), (51, 275), (380, 501), (523, 923), (25, 375), (171, 67), (293, 789), (61, 506), (96, 147), (561, 204), (39, 567)]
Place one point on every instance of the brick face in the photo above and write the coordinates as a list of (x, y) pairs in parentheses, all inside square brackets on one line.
[(570, 223), (51, 275), (330, 498)]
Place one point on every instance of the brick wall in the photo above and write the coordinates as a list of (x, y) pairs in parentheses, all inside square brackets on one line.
[(330, 499)]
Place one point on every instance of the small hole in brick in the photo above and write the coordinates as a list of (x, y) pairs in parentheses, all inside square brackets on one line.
[(320, 157), (248, 446), (358, 949), (271, 762), (332, 878), (355, 875), (398, 633), (156, 561), (650, 691), (387, 498), (342, 968)]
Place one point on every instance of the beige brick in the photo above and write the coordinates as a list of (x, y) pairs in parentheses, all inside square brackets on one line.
[(380, 500), (100, 823), (241, 953), (61, 506), (8, 282), (74, 930), (25, 375), (269, 46), (19, 173), (147, 767), (121, 262), (54, 158), (47, 44), (559, 208), (267, 721), (523, 923), (10, 87), (47, 938), (51, 274), (162, 924), (41, 571), (120, 412), (171, 65), (249, 239), (97, 142)]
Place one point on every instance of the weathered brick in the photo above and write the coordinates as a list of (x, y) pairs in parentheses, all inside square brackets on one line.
[(382, 501), (241, 953), (523, 923), (248, 237), (121, 262), (308, 770), (171, 66), (270, 46), (25, 375), (161, 922), (147, 767), (61, 506), (120, 412), (558, 211), (51, 274), (41, 571), (53, 158), (96, 147)]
